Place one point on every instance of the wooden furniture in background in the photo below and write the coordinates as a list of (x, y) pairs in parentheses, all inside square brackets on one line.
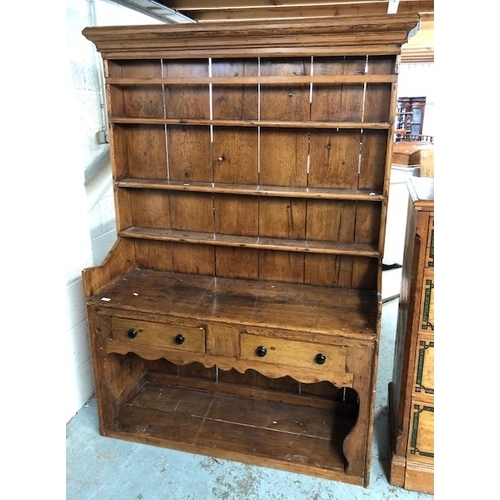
[(406, 154), (411, 392), (410, 114), (410, 153), (402, 136), (238, 314), (427, 161), (417, 138)]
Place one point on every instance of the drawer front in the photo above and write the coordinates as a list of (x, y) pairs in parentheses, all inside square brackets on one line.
[(421, 442), (293, 353), (426, 317), (424, 366), (429, 249), (185, 338)]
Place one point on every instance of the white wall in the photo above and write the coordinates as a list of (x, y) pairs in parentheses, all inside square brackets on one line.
[(92, 230), (417, 80)]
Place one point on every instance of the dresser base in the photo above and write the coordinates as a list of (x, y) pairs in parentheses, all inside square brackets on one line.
[(297, 433)]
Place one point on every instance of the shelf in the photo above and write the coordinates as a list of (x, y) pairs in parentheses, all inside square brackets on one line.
[(193, 237), (253, 190), (208, 418), (329, 311), (253, 123), (255, 80)]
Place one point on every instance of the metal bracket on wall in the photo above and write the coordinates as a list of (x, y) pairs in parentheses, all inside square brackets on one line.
[(392, 8), (102, 137)]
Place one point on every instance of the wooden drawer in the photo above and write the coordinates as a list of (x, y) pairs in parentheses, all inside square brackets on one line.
[(424, 366), (426, 316), (185, 338), (293, 353), (429, 248), (421, 442)]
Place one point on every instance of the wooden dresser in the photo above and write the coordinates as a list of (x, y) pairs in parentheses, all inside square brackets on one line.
[(411, 392), (238, 313)]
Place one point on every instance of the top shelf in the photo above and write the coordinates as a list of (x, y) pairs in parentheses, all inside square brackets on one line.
[(253, 123), (253, 80)]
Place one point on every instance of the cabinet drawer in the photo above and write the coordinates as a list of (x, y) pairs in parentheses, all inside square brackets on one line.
[(426, 317), (429, 248), (293, 353), (185, 338), (424, 366), (421, 442)]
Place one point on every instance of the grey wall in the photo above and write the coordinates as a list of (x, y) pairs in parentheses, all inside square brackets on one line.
[(92, 208)]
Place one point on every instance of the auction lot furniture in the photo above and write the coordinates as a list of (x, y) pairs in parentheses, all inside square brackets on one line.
[(411, 392), (238, 313)]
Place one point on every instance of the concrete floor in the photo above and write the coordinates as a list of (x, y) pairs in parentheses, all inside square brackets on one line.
[(104, 468)]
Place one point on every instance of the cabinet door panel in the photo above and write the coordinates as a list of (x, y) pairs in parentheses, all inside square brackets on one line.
[(421, 443), (426, 317), (424, 366), (429, 249)]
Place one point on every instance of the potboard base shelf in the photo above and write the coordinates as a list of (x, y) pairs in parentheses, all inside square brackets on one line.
[(294, 433)]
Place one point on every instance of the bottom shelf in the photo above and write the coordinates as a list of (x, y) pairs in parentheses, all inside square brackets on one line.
[(290, 432)]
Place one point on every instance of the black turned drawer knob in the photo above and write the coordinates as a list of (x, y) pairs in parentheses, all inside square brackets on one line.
[(132, 333), (320, 358), (261, 351), (179, 339)]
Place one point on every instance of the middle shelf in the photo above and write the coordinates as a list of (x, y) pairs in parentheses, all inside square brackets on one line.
[(288, 219), (231, 240), (253, 190)]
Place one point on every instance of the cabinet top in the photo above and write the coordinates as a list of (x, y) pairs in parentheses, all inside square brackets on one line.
[(381, 34)]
